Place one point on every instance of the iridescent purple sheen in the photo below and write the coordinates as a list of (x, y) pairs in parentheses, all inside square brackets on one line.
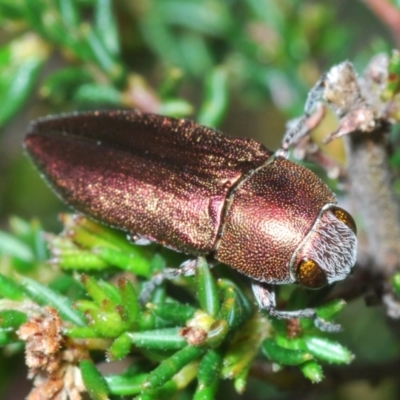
[(183, 185), (163, 178), (270, 214)]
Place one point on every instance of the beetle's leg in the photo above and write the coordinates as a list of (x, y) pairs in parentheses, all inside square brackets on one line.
[(265, 296), (187, 268), (298, 128), (139, 240), (295, 130)]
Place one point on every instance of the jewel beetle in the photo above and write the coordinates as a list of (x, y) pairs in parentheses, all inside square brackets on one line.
[(197, 191)]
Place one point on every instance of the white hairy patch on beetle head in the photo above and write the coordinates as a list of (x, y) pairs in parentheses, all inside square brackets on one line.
[(332, 245)]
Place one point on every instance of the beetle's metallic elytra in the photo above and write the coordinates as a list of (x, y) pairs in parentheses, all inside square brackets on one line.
[(200, 192)]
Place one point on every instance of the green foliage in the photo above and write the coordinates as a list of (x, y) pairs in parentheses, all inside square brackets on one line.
[(218, 336), (228, 44)]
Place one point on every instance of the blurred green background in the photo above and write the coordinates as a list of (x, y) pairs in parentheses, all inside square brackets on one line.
[(244, 66)]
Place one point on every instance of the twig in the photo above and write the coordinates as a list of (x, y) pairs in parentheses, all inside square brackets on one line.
[(371, 188), (365, 121)]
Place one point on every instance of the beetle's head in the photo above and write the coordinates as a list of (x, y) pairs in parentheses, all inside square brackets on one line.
[(328, 252)]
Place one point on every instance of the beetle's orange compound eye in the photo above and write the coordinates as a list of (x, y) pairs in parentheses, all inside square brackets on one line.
[(310, 274), (345, 217)]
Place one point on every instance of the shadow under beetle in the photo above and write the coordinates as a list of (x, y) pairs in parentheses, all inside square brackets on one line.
[(200, 192)]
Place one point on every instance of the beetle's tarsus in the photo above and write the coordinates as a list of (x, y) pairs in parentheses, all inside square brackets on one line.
[(265, 296), (327, 326), (295, 130), (187, 268), (138, 240), (308, 313)]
